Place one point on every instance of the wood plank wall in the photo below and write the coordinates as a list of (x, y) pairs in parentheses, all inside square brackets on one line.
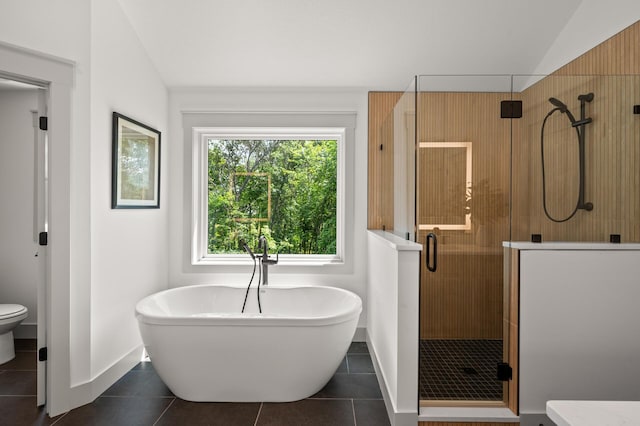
[(611, 71), (619, 55), (511, 317), (380, 161)]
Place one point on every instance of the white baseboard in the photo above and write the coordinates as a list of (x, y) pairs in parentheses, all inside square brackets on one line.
[(87, 392), (360, 334), (396, 418)]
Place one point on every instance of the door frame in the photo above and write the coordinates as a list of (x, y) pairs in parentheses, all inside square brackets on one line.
[(57, 75)]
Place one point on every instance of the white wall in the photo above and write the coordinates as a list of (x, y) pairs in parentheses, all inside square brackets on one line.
[(593, 22), (62, 29), (579, 322), (285, 100), (128, 246), (392, 327), (18, 264)]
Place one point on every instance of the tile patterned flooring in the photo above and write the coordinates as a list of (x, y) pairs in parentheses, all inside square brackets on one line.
[(352, 397), (460, 370)]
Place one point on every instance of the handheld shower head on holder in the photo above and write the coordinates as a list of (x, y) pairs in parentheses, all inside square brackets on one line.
[(558, 104), (580, 126), (562, 107)]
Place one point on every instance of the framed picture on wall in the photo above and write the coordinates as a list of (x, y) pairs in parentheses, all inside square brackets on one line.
[(135, 165)]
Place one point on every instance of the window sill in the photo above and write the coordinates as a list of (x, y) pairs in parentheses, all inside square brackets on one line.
[(283, 261)]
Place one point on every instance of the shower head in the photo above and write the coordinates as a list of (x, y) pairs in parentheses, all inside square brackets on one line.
[(558, 104), (563, 109)]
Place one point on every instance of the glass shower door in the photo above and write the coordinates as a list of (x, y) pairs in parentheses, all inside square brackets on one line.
[(462, 217)]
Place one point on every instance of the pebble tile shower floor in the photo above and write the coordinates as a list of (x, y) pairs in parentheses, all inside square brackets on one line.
[(352, 397), (460, 370)]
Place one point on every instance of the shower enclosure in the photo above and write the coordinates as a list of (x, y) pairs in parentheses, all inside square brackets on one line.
[(456, 164)]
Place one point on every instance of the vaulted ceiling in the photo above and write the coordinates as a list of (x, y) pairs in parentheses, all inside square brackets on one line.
[(377, 44)]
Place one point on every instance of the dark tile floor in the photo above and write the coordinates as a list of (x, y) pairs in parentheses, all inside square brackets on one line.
[(460, 370), (352, 397)]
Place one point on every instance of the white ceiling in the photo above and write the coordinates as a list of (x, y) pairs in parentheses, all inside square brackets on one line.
[(377, 44)]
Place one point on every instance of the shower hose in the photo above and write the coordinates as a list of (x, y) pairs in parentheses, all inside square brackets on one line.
[(544, 181)]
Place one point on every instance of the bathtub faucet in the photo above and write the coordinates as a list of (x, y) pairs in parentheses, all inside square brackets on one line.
[(265, 261)]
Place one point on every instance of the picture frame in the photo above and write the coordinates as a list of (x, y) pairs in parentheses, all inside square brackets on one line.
[(135, 164)]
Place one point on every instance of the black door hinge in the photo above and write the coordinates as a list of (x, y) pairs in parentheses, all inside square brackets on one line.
[(42, 354), (43, 238), (504, 372), (511, 109), (44, 123)]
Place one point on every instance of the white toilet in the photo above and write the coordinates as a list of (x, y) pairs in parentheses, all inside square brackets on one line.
[(10, 317)]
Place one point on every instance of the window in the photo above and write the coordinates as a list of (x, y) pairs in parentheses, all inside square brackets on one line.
[(284, 183)]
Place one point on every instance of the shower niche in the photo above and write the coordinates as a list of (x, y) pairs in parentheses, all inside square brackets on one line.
[(449, 171)]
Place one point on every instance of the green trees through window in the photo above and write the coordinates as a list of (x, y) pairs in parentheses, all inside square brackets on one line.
[(283, 189)]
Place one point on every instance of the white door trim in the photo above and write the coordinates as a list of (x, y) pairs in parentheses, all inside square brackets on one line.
[(40, 225)]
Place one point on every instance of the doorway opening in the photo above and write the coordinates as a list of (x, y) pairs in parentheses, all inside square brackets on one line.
[(57, 76), (24, 222)]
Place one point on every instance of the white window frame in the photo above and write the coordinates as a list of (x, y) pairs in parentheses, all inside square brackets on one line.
[(199, 185)]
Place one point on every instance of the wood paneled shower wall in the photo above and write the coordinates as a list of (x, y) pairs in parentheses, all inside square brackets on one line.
[(611, 71)]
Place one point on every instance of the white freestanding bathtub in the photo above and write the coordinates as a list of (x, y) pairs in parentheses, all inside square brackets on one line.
[(204, 349)]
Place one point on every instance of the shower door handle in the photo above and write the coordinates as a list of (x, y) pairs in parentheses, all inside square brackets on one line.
[(431, 237)]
